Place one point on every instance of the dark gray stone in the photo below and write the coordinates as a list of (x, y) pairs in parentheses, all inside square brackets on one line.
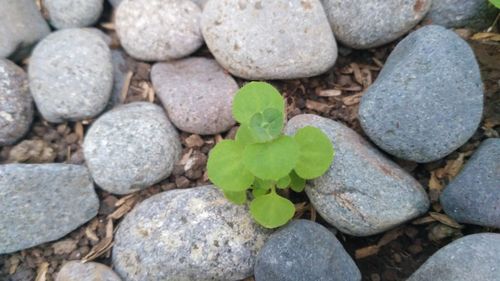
[(114, 3), (74, 13), (476, 14), (303, 251), (474, 195), (43, 202), (363, 193), (90, 271), (428, 99), (473, 257), (122, 64), (187, 234)]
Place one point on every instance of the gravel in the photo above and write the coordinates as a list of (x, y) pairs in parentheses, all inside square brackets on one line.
[(74, 13)]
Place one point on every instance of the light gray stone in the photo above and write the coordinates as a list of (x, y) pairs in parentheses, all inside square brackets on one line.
[(89, 271), (428, 99), (43, 202), (363, 193), (476, 14), (187, 234), (257, 39), (197, 94), (74, 13), (131, 147)]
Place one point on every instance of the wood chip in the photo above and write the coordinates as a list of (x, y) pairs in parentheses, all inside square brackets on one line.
[(313, 212), (218, 138), (14, 262), (64, 247), (424, 220), (390, 236), (41, 272), (79, 130), (124, 199), (318, 106), (378, 62), (358, 77), (489, 36), (103, 246), (444, 219), (151, 94), (125, 86), (366, 251), (123, 209), (108, 25), (185, 157), (453, 167), (194, 141), (352, 100), (329, 93)]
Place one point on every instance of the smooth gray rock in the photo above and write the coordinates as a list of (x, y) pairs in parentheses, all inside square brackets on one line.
[(187, 234), (373, 23), (74, 13), (428, 99), (471, 258), (131, 147), (16, 103), (476, 14), (21, 26), (474, 195), (257, 39), (43, 202), (200, 3), (71, 75), (303, 251), (156, 30), (363, 193), (89, 271), (197, 94)]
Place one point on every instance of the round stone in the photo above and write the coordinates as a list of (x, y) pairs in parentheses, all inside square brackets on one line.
[(74, 13), (89, 271), (476, 14)]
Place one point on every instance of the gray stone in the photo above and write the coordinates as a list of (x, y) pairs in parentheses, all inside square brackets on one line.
[(476, 14), (74, 13), (363, 193), (473, 257), (21, 25), (156, 30), (43, 202), (303, 251), (197, 94), (257, 39), (90, 271), (428, 99), (373, 23), (16, 103), (187, 234), (71, 75), (131, 147), (200, 3), (474, 195)]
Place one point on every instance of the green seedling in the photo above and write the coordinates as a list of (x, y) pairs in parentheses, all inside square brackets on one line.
[(495, 3), (261, 159)]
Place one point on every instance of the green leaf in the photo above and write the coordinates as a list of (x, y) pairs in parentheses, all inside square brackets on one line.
[(255, 97), (226, 169), (297, 183), (266, 125), (271, 160), (272, 210), (284, 182), (261, 187), (237, 197), (495, 3), (316, 152), (244, 135)]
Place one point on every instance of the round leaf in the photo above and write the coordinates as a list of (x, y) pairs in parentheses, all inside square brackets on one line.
[(272, 210), (244, 135), (266, 125), (237, 197), (255, 97), (284, 182), (297, 183), (316, 152)]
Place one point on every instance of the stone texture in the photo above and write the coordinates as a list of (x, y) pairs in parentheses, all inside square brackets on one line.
[(257, 39), (197, 94), (90, 271), (373, 23), (473, 257), (363, 193), (43, 202), (303, 251), (16, 103), (156, 30), (476, 14), (474, 195), (131, 147), (71, 75), (74, 13), (428, 99)]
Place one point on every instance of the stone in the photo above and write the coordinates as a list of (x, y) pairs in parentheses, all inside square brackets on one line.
[(474, 195), (187, 234), (363, 193), (265, 40), (373, 23), (157, 30), (89, 271), (43, 202), (302, 251), (196, 93), (428, 99), (21, 26), (75, 13), (475, 14), (131, 147), (473, 257), (16, 103), (71, 75), (115, 3)]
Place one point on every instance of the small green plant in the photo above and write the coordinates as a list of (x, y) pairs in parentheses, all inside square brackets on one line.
[(262, 159), (495, 3)]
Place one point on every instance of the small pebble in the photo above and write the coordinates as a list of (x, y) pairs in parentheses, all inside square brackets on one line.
[(89, 271), (475, 14), (74, 13)]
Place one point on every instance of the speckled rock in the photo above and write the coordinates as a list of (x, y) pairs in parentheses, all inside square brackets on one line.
[(131, 147), (21, 25), (16, 103), (257, 39), (304, 251), (473, 257), (187, 234), (373, 23), (43, 202), (476, 14), (71, 75), (197, 94), (156, 30), (363, 193), (474, 195), (74, 13), (90, 271), (428, 99)]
